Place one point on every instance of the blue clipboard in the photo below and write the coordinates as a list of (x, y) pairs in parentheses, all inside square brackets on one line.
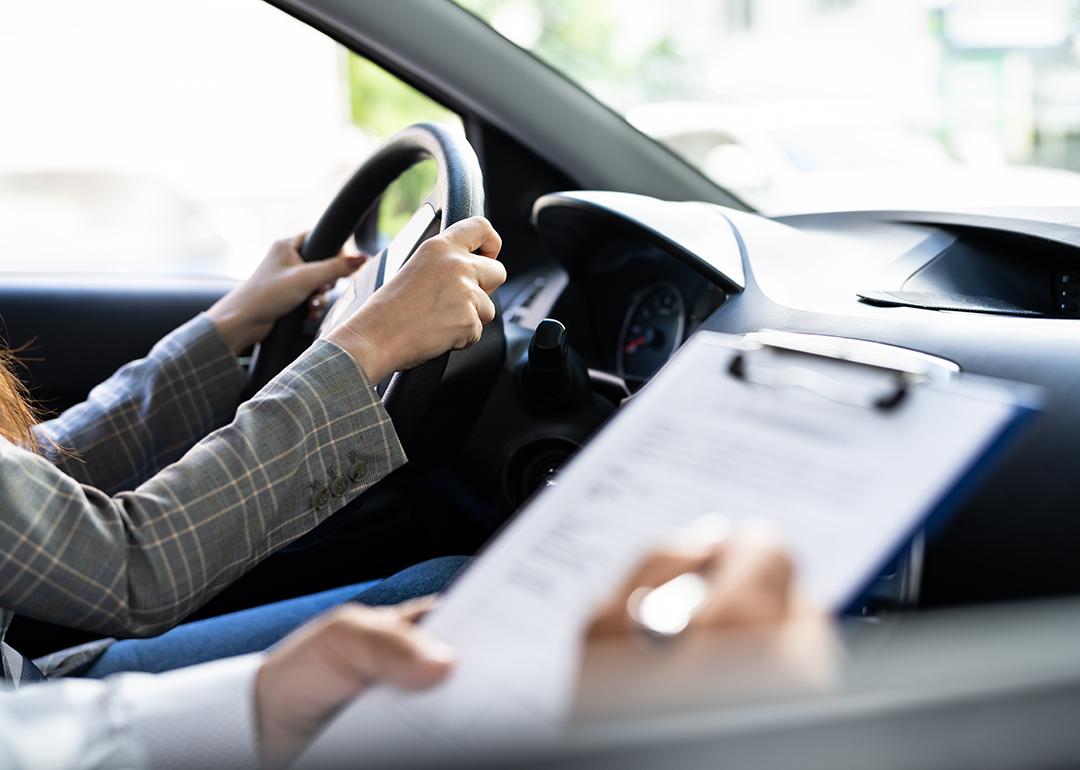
[(906, 371)]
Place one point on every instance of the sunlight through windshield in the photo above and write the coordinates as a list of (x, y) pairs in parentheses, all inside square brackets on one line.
[(833, 104)]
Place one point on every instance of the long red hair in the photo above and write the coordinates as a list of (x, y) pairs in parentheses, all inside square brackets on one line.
[(17, 416)]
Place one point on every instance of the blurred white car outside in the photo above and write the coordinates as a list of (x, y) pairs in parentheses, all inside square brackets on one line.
[(801, 157)]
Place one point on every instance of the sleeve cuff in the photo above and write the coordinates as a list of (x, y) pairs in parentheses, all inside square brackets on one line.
[(203, 716), (345, 377), (324, 411)]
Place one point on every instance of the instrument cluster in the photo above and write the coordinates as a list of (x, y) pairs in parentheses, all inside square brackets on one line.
[(631, 306)]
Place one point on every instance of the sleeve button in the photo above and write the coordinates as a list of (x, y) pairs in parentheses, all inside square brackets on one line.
[(357, 471), (339, 486), (321, 498)]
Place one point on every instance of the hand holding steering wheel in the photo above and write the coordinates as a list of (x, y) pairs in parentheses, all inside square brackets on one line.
[(458, 196)]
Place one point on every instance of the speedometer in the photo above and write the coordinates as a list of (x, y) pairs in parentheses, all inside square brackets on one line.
[(652, 330)]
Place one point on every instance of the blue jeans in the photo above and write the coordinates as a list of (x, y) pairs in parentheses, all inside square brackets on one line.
[(253, 630)]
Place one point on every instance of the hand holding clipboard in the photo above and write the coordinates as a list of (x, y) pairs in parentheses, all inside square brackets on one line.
[(848, 447)]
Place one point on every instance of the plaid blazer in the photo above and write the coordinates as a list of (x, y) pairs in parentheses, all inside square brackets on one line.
[(132, 524)]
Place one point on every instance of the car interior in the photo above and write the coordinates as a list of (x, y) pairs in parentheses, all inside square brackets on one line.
[(617, 251)]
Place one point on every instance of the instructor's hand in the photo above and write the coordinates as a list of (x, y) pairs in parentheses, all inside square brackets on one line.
[(281, 282), (438, 301), (327, 663), (752, 636)]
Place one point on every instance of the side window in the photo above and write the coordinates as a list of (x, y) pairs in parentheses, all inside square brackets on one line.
[(184, 149)]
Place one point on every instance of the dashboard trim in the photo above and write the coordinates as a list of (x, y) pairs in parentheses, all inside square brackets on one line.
[(699, 234)]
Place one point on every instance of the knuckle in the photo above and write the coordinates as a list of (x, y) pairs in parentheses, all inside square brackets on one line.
[(341, 620), (436, 246), (389, 639), (462, 265), (775, 567), (782, 564), (743, 608)]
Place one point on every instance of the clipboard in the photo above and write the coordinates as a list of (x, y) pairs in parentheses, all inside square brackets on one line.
[(899, 579), (905, 368), (850, 446)]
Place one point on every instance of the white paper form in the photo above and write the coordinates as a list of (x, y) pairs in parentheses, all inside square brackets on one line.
[(846, 485)]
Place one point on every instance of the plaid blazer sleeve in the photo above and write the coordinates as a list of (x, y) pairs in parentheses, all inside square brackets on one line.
[(137, 562), (149, 413)]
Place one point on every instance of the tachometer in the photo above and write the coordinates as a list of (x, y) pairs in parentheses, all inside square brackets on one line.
[(653, 329)]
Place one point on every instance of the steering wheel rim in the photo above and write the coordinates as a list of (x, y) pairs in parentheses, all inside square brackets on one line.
[(458, 195)]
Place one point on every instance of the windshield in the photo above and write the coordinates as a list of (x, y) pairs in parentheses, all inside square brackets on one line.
[(810, 105)]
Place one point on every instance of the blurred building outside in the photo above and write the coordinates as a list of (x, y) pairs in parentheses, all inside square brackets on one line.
[(817, 104), (176, 138), (181, 138)]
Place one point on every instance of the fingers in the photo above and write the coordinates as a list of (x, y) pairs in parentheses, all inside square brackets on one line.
[(655, 570), (381, 645), (304, 680), (474, 320), (490, 274), (439, 300), (473, 329), (667, 563), (751, 586), (749, 575), (485, 308), (414, 610), (476, 235), (327, 271), (317, 302)]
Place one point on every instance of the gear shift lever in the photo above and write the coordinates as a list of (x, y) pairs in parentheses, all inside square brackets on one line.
[(554, 375)]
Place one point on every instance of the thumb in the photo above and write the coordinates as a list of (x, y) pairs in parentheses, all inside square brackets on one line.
[(383, 646), (316, 274), (305, 679)]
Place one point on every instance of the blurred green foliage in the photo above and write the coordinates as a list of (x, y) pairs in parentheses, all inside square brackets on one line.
[(381, 106), (580, 38)]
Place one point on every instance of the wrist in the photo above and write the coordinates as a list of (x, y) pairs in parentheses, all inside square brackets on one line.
[(275, 741), (366, 352), (238, 332)]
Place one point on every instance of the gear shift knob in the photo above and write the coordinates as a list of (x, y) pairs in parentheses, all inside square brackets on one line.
[(549, 346), (554, 377)]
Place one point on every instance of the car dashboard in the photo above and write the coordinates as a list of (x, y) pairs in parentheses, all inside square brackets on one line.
[(629, 298), (631, 305), (633, 277)]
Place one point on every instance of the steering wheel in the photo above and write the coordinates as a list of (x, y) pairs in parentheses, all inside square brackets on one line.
[(458, 194)]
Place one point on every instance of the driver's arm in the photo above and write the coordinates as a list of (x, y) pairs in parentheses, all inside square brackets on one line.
[(153, 410), (137, 562), (308, 443), (149, 413)]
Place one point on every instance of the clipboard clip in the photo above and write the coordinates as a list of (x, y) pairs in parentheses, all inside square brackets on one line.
[(829, 388), (904, 368)]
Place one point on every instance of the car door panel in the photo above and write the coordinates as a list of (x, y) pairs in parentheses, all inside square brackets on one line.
[(73, 334)]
